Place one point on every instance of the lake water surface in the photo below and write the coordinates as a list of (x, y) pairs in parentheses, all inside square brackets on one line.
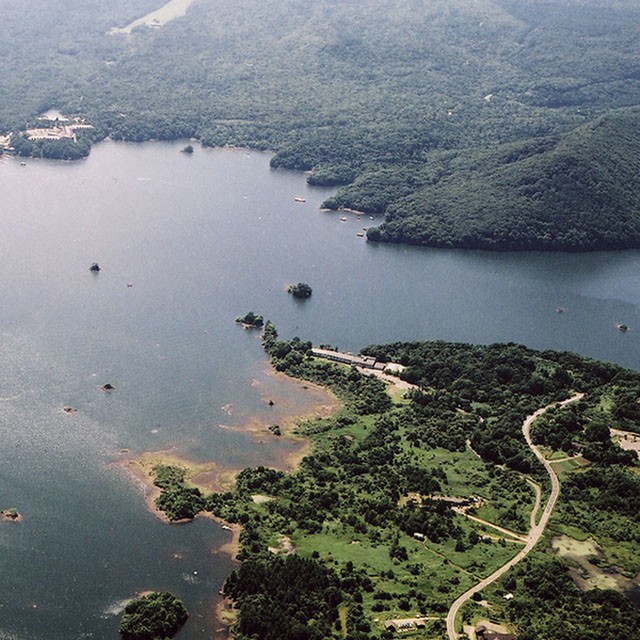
[(201, 239)]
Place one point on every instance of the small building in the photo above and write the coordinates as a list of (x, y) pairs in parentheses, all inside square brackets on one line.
[(399, 625), (366, 362)]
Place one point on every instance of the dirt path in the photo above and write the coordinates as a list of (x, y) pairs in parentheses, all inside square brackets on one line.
[(394, 380), (512, 535), (536, 530)]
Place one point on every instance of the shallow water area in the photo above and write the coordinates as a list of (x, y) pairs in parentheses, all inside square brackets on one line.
[(186, 243)]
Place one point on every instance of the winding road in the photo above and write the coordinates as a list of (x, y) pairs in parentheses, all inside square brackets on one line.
[(536, 530)]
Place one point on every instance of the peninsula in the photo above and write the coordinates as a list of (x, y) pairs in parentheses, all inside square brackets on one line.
[(419, 504)]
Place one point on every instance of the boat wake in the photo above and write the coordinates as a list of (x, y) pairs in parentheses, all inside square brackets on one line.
[(114, 609)]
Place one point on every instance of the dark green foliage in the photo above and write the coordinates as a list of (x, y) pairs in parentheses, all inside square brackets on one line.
[(65, 149), (300, 290), (608, 498), (177, 500), (251, 319), (548, 606), (575, 430), (364, 394), (168, 476), (378, 93), (368, 478), (287, 598), (433, 518), (156, 616), (180, 503), (513, 380), (626, 407), (259, 480)]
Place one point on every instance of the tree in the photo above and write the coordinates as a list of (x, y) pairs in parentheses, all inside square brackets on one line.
[(300, 290), (251, 320)]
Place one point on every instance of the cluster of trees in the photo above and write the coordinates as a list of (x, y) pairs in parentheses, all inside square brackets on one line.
[(496, 387), (581, 431), (156, 616), (549, 606), (350, 92), (177, 500), (364, 394), (288, 598), (251, 319), (602, 501), (300, 290), (64, 149)]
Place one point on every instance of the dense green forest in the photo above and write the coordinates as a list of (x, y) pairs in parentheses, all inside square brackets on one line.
[(370, 512), (155, 616), (578, 191), (465, 123)]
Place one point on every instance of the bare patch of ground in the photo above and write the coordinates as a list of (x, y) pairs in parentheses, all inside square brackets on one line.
[(627, 440), (585, 556), (158, 18), (470, 630), (284, 546)]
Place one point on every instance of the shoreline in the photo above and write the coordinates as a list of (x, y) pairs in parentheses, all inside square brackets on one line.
[(213, 477)]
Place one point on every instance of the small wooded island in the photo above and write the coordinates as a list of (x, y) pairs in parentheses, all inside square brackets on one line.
[(300, 290), (250, 320), (156, 616), (413, 494)]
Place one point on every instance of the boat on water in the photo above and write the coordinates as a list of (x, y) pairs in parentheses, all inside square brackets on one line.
[(299, 199)]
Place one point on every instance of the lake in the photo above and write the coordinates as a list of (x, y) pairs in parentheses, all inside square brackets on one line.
[(187, 242)]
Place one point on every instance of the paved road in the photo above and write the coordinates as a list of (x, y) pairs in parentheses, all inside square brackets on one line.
[(536, 530)]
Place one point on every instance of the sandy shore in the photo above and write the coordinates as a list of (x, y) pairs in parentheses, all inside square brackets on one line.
[(225, 617), (141, 468)]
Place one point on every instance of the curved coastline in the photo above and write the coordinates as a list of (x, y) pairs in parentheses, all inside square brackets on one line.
[(213, 477)]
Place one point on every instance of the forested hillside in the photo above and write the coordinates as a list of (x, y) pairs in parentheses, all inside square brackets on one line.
[(581, 191), (370, 90)]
